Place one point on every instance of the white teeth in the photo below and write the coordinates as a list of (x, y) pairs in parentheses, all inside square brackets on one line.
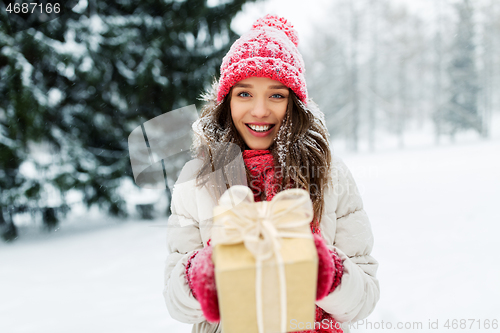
[(260, 128)]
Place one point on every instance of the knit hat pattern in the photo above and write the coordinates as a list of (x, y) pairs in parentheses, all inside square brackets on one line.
[(269, 50)]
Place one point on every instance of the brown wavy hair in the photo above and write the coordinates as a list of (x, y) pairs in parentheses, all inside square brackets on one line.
[(301, 149)]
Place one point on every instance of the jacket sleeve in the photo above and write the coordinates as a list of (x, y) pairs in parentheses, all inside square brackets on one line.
[(349, 233), (183, 239)]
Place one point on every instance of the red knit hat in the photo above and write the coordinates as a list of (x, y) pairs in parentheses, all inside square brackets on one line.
[(269, 50)]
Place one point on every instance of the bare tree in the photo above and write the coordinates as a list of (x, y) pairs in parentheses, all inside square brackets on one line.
[(438, 69), (372, 107), (386, 67), (488, 71), (353, 79)]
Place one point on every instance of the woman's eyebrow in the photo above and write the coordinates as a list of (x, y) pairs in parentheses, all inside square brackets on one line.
[(280, 86), (243, 85)]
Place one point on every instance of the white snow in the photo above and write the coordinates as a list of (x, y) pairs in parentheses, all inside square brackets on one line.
[(435, 219), (80, 6), (54, 97), (434, 213), (104, 278)]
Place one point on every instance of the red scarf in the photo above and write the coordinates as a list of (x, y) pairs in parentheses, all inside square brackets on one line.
[(260, 164)]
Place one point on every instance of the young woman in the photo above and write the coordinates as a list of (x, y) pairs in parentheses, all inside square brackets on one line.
[(260, 105)]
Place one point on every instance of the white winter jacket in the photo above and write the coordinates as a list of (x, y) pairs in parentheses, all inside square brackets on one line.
[(344, 226)]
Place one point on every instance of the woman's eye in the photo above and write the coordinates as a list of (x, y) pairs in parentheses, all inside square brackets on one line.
[(278, 96), (244, 94)]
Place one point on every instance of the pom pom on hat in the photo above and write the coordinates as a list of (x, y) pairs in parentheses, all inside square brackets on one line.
[(279, 23), (269, 50)]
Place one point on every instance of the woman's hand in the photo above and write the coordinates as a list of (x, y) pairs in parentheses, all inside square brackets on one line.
[(200, 275), (330, 268)]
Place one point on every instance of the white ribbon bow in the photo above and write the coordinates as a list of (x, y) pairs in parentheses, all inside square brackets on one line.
[(260, 225)]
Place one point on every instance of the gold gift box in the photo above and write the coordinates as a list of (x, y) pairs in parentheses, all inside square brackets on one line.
[(235, 275)]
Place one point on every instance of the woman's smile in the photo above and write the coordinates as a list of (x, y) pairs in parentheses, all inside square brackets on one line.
[(260, 130)]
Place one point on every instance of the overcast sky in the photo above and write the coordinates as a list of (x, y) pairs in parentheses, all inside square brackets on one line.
[(302, 14)]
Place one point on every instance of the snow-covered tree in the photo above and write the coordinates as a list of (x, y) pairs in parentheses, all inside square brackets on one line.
[(79, 84)]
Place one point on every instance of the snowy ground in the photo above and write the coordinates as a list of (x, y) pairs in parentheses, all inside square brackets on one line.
[(102, 279), (435, 216)]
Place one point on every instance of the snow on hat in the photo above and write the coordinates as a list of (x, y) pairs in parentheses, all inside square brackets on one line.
[(269, 50)]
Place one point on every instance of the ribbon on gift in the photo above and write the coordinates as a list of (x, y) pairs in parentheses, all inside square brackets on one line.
[(260, 225)]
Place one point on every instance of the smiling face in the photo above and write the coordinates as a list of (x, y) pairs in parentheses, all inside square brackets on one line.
[(258, 106)]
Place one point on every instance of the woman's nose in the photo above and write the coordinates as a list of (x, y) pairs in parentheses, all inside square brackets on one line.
[(260, 109)]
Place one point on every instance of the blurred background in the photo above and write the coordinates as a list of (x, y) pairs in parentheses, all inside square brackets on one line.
[(410, 94)]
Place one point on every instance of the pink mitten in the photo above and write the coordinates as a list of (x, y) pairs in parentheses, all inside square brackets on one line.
[(330, 268), (200, 275)]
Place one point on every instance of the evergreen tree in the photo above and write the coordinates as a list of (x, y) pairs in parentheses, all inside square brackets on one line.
[(81, 83), (462, 111)]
